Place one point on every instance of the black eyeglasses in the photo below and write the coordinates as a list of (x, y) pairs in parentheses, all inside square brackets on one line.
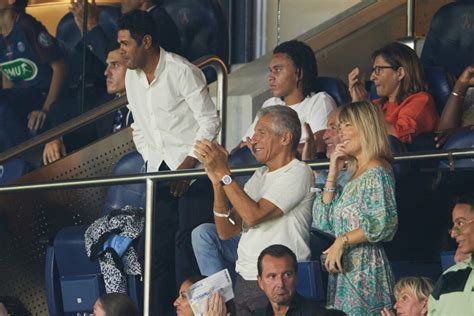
[(378, 69), (457, 227)]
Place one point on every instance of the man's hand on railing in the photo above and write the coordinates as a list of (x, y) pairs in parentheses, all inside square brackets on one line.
[(54, 150), (179, 187)]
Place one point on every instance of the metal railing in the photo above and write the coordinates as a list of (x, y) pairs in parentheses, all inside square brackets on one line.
[(151, 178), (207, 61)]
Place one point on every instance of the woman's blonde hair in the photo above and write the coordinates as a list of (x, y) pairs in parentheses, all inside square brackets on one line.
[(369, 122), (420, 286)]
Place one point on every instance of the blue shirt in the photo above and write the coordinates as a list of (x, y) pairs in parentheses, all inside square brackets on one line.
[(26, 52)]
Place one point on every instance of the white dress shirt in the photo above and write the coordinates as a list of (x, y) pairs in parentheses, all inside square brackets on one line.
[(171, 112)]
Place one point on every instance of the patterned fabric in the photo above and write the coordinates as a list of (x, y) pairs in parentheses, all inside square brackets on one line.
[(127, 222), (367, 202)]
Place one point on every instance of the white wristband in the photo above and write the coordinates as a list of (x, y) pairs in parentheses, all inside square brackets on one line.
[(223, 215)]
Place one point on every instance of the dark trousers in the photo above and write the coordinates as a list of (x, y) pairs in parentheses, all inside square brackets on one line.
[(15, 105), (173, 256)]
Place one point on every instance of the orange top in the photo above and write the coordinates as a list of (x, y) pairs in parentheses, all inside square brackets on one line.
[(417, 114)]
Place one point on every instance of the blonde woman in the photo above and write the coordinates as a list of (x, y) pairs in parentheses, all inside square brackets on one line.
[(362, 214), (412, 295)]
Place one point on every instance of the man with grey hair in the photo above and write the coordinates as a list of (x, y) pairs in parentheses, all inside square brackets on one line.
[(274, 207)]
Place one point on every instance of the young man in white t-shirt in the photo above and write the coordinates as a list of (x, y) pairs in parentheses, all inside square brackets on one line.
[(292, 77), (274, 206)]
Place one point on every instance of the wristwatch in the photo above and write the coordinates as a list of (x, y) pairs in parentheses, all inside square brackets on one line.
[(227, 179)]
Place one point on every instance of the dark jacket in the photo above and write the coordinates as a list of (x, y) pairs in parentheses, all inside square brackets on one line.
[(299, 306)]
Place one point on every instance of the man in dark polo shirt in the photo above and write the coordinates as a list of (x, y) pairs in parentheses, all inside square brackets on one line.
[(277, 277)]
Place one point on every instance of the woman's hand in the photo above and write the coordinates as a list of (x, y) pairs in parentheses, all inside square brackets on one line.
[(336, 162), (215, 306), (356, 86), (333, 254)]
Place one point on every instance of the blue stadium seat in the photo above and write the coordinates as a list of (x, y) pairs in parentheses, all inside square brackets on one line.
[(310, 283), (463, 139), (439, 86), (449, 42), (406, 268), (447, 259), (336, 88), (73, 281), (12, 170)]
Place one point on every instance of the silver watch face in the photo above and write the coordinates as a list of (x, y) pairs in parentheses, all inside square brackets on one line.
[(226, 179)]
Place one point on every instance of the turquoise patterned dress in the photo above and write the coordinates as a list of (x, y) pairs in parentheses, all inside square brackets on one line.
[(367, 202)]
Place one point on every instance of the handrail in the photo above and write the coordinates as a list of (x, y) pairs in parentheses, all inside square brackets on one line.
[(151, 179), (198, 173), (90, 116), (221, 101)]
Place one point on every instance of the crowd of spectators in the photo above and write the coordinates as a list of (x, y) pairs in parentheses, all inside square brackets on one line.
[(205, 224)]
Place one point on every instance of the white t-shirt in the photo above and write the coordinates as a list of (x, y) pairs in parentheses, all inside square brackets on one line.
[(314, 110), (289, 188)]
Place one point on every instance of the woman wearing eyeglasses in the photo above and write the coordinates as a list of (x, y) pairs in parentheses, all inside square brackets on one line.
[(399, 80), (453, 293)]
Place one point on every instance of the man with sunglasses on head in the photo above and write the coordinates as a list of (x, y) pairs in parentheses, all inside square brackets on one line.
[(453, 294)]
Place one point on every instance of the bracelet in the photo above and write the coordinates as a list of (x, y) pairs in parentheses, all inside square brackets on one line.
[(457, 95), (326, 189), (332, 181), (222, 215)]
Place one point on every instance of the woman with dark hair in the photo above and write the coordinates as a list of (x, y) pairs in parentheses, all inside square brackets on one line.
[(362, 214), (399, 80), (115, 304), (215, 306)]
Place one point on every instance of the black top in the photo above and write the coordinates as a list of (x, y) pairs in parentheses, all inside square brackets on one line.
[(299, 306)]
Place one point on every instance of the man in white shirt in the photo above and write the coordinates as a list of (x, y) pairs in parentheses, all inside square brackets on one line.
[(293, 75), (169, 100), (273, 208)]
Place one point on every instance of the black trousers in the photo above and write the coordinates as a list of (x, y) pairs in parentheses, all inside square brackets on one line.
[(173, 255)]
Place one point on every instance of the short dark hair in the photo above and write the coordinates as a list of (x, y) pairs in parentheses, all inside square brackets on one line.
[(118, 304), (276, 251), (20, 4), (305, 62), (140, 23), (468, 199), (112, 45)]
